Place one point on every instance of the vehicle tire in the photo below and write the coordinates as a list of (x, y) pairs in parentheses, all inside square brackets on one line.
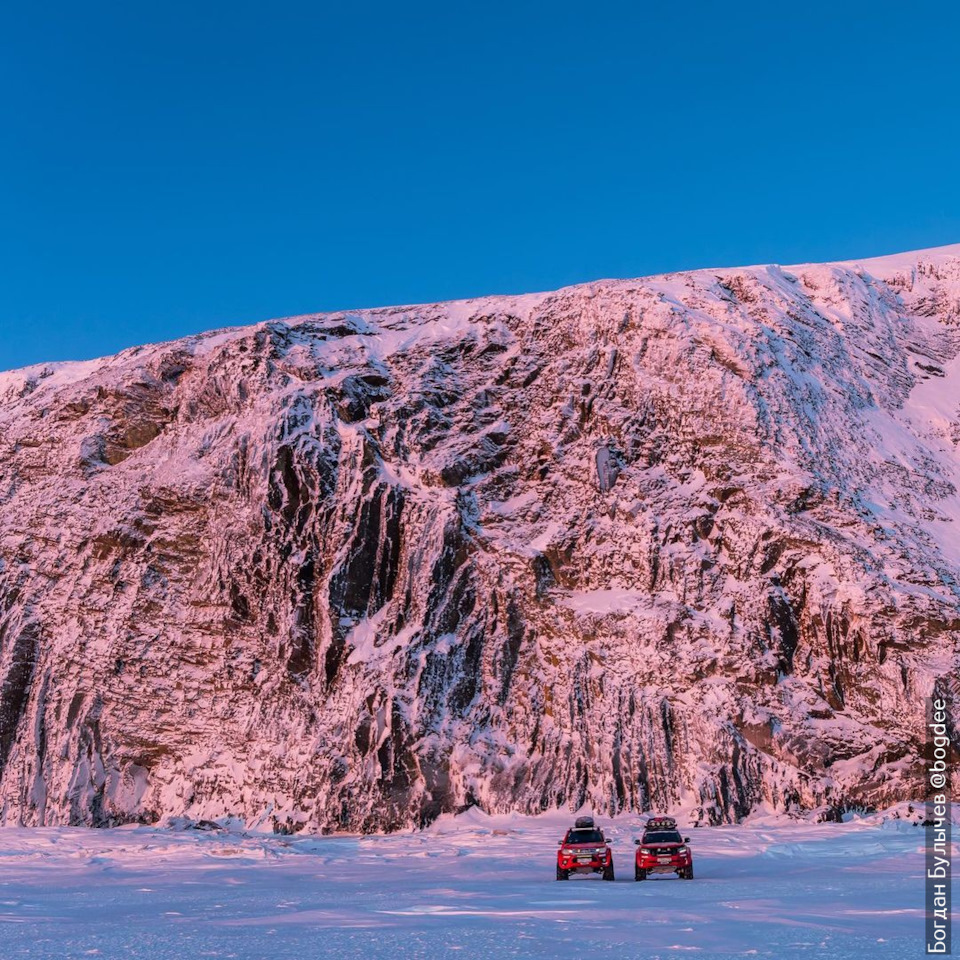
[(562, 874), (688, 873), (608, 872), (639, 874)]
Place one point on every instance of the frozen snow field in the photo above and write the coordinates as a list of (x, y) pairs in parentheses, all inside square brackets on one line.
[(469, 886)]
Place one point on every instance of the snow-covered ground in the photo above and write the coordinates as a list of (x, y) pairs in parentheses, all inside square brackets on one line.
[(470, 886)]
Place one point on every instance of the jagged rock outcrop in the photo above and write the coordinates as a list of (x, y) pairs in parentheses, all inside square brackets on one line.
[(683, 542)]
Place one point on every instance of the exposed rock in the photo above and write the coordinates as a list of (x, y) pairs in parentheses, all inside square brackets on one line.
[(683, 542)]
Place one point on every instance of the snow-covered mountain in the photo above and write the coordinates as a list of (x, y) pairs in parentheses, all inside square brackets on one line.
[(687, 542)]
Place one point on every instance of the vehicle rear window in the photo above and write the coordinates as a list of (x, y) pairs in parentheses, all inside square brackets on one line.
[(662, 836), (585, 836)]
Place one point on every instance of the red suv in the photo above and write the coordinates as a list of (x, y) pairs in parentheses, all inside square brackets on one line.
[(663, 850), (584, 849)]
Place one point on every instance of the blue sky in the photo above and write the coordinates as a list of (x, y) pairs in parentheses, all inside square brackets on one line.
[(170, 168)]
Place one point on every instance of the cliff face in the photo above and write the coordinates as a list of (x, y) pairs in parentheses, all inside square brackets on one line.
[(687, 542)]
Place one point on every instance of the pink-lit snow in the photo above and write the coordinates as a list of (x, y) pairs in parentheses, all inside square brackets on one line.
[(468, 887)]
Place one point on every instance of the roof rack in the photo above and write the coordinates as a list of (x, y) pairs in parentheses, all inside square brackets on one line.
[(583, 823), (660, 823)]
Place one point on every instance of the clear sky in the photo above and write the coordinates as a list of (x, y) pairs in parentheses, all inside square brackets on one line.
[(171, 167)]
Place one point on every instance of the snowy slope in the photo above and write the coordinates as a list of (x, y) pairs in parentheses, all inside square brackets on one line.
[(684, 543)]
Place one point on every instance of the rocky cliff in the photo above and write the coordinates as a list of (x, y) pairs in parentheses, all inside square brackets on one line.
[(684, 543)]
